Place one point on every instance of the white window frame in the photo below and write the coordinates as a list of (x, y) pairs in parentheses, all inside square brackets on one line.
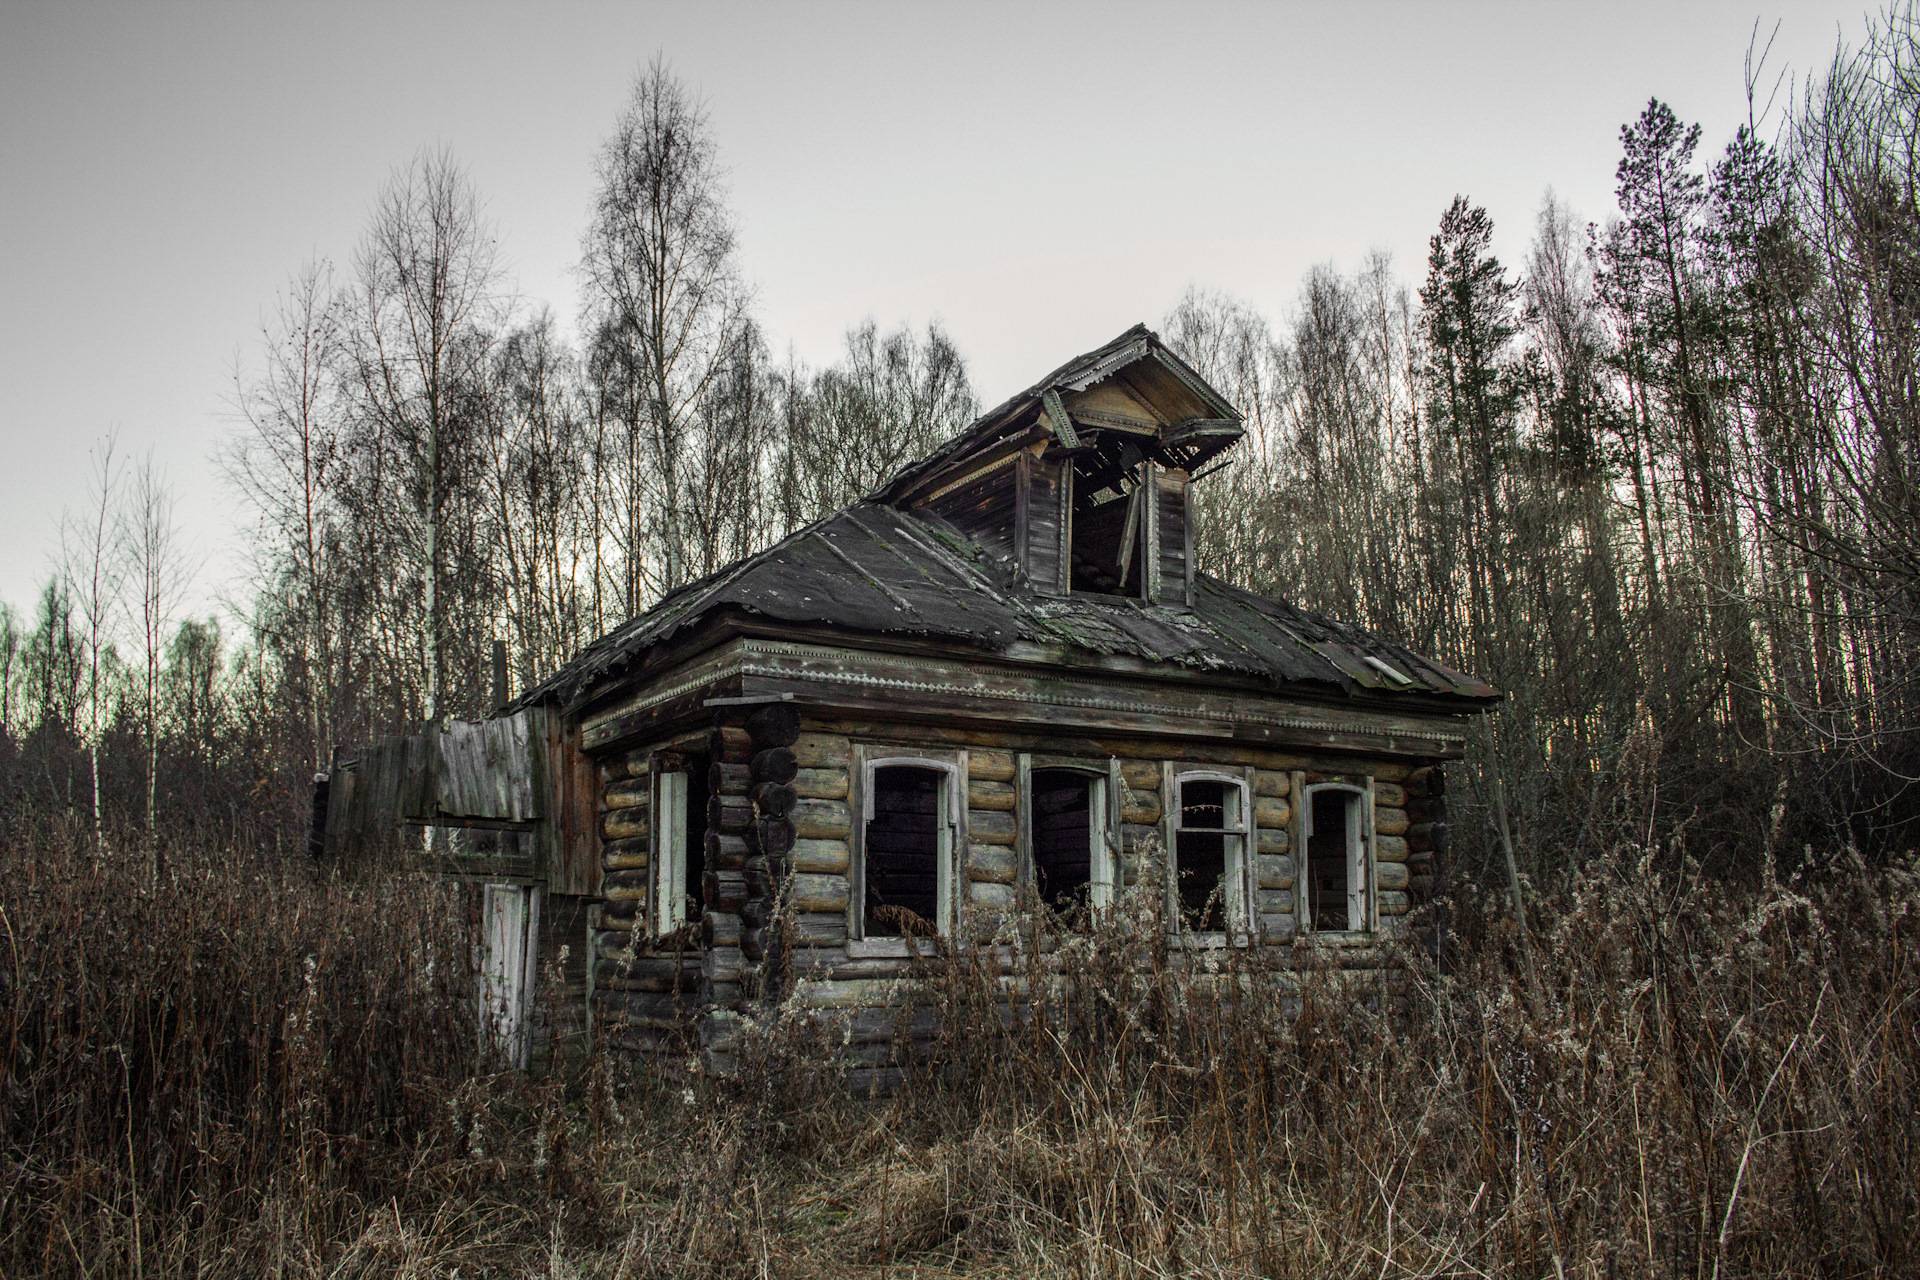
[(950, 836), (1361, 898), (1237, 866), (1103, 866), (669, 857)]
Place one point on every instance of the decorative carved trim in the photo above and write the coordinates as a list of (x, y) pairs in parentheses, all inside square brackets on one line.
[(772, 658)]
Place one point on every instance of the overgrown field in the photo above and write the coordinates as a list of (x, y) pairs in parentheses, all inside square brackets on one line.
[(247, 1070)]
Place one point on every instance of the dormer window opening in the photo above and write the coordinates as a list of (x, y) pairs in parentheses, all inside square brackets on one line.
[(1112, 515)]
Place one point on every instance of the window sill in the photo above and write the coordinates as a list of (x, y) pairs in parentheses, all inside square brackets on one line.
[(892, 948), (1338, 937)]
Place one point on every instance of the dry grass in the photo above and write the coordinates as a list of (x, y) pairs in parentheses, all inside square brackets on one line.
[(248, 1072)]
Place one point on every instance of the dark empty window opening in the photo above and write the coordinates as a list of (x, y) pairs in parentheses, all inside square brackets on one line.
[(694, 859), (1109, 510), (1332, 860), (1203, 856), (902, 853), (1063, 829)]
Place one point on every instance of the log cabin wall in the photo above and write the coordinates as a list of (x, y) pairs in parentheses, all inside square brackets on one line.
[(866, 984)]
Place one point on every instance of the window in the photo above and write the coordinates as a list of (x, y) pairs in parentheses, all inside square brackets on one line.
[(679, 839), (1337, 888), (1209, 852), (1066, 816), (909, 825)]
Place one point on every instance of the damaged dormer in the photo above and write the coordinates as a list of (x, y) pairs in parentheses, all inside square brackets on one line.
[(1082, 480)]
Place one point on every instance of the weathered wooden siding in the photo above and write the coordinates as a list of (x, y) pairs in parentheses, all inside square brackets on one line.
[(1048, 525), (984, 507), (1172, 577)]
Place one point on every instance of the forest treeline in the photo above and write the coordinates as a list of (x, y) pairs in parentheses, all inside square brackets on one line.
[(1659, 481)]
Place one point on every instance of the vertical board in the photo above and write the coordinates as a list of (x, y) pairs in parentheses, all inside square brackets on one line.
[(509, 958), (1045, 515), (1171, 556)]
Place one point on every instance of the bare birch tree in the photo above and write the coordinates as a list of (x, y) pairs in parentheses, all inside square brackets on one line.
[(160, 570), (93, 565), (667, 309)]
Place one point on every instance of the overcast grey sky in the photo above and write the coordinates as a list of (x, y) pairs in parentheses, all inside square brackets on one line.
[(1035, 176)]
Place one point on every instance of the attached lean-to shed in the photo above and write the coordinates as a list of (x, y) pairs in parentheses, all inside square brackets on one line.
[(999, 680)]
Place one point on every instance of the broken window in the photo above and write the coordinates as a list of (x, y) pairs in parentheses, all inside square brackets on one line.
[(906, 850), (1336, 879), (1110, 514), (1067, 832), (680, 840), (1210, 852)]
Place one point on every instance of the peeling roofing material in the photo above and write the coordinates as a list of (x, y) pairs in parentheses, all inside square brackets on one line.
[(877, 571)]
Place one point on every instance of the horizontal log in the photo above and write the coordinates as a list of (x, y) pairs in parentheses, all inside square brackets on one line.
[(1389, 822), (1426, 809), (1140, 809), (759, 880), (1430, 780), (1141, 836), (724, 890), (1390, 794), (990, 766), (1422, 888), (1428, 837), (723, 964), (776, 725), (1272, 782), (994, 796), (773, 799), (731, 779), (773, 764), (732, 814), (646, 1005), (1279, 927), (1392, 903), (992, 863), (870, 1026), (818, 893), (630, 853), (830, 856), (987, 827), (629, 793), (613, 944), (1141, 775), (1391, 875), (817, 929), (821, 820), (1389, 849), (720, 929), (624, 879), (1274, 902), (624, 823), (776, 836), (753, 944), (625, 764), (820, 784), (986, 896), (1272, 811), (1274, 872), (726, 852), (1273, 840), (625, 922), (634, 891), (822, 751), (730, 744), (757, 911)]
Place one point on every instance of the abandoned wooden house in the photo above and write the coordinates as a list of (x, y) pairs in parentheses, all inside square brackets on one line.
[(997, 679)]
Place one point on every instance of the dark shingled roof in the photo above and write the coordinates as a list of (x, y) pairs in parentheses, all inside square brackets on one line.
[(875, 570)]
